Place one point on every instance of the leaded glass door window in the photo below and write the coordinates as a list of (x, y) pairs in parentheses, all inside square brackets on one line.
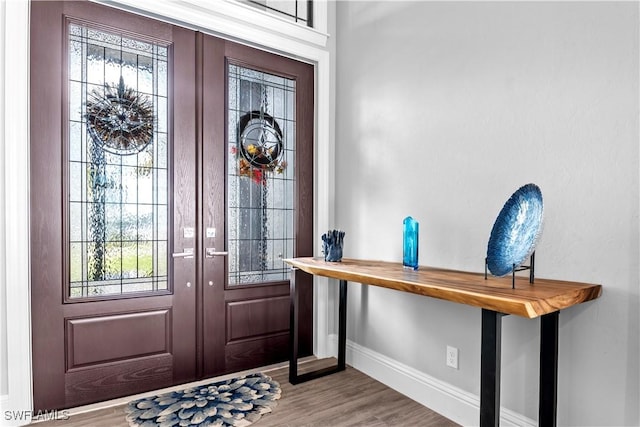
[(261, 175), (117, 164)]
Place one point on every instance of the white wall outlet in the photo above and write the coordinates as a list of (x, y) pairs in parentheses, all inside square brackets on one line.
[(452, 357)]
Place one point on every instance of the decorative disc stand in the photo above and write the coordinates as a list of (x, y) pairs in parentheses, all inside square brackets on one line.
[(530, 267)]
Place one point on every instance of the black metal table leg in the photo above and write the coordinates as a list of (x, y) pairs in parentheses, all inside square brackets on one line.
[(548, 403), (294, 378), (490, 368), (293, 328), (342, 327)]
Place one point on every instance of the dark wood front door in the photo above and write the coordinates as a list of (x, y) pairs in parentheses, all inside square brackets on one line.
[(258, 180), (143, 272)]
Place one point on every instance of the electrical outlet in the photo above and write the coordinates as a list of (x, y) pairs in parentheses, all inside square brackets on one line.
[(452, 357)]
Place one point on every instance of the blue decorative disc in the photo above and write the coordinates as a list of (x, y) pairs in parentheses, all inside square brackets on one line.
[(516, 231)]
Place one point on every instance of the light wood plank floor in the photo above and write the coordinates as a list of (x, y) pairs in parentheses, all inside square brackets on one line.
[(348, 398)]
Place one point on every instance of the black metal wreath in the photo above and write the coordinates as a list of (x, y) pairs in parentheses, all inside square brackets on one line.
[(260, 139), (120, 119)]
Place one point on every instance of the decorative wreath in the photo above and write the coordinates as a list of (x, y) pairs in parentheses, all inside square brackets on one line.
[(260, 146), (121, 119)]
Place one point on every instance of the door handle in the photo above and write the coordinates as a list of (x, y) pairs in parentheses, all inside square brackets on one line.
[(211, 252), (188, 253)]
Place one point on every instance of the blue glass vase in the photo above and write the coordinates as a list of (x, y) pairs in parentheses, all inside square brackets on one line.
[(410, 243)]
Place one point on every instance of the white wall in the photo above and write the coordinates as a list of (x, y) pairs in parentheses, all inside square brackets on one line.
[(3, 307), (443, 110)]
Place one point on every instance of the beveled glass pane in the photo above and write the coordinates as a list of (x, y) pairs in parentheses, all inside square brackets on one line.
[(103, 38), (117, 178), (130, 70), (136, 45), (113, 224), (76, 262), (75, 218), (94, 64), (145, 75), (288, 108), (112, 183), (129, 187), (75, 141), (161, 78), (75, 30), (145, 259), (161, 224), (161, 191), (115, 265), (129, 221), (144, 160), (108, 158), (162, 114), (260, 177), (115, 67), (75, 60), (75, 181), (278, 103), (145, 222), (160, 153), (75, 101), (162, 261), (144, 185)]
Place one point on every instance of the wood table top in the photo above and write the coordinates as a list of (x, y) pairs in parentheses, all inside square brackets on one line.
[(495, 293)]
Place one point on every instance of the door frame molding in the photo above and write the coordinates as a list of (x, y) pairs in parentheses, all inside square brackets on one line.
[(225, 19)]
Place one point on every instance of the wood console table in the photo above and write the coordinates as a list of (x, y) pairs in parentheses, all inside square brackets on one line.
[(495, 296)]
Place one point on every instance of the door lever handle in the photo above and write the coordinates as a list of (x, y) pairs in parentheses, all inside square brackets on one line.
[(211, 252), (188, 253)]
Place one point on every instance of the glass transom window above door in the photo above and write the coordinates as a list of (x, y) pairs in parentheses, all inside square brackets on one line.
[(261, 175), (117, 164)]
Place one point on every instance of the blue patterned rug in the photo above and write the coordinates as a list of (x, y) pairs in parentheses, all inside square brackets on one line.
[(236, 402)]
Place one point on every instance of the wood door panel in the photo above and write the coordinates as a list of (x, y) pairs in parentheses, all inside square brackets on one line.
[(101, 339), (99, 368), (257, 317), (263, 351), (117, 379)]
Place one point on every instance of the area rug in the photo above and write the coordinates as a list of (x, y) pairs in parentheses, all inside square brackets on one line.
[(236, 402)]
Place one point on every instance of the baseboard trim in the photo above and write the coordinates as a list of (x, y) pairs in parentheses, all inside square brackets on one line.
[(452, 402)]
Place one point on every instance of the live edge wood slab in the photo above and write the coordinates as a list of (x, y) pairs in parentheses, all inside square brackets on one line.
[(495, 293)]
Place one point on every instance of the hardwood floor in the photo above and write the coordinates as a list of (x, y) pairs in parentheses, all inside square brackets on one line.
[(348, 398)]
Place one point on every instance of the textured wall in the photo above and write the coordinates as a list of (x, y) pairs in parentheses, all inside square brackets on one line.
[(443, 109)]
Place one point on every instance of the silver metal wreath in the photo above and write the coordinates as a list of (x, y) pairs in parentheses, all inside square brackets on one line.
[(120, 119)]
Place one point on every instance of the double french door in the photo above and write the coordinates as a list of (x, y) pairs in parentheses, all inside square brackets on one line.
[(171, 173)]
